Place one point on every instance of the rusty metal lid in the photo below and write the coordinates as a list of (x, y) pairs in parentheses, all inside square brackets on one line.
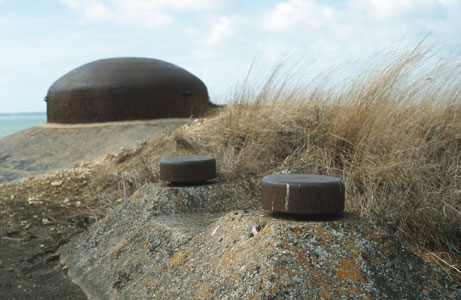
[(187, 168), (303, 194)]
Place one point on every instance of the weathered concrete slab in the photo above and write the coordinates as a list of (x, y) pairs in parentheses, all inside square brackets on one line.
[(173, 243), (51, 146)]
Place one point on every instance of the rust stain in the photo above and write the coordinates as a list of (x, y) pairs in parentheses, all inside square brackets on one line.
[(120, 245), (301, 254), (325, 294), (322, 234), (349, 270), (355, 251), (203, 291), (270, 244), (227, 258), (298, 230), (285, 243), (134, 194), (177, 258), (266, 231), (232, 278)]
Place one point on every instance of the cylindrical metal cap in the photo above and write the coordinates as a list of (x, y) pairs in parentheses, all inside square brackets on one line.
[(303, 194), (187, 168)]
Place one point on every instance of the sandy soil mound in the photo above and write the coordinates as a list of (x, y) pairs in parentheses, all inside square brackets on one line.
[(51, 147), (41, 212)]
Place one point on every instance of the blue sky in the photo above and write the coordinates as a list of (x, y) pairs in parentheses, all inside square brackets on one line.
[(217, 40)]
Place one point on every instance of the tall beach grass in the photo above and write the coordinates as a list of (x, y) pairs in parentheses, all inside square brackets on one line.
[(392, 133)]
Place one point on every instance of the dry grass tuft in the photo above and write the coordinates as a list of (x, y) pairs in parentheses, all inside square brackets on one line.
[(392, 133)]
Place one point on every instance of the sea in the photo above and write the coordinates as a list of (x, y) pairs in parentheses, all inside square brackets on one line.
[(13, 122)]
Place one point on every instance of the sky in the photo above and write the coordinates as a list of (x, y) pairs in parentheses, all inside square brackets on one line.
[(217, 40)]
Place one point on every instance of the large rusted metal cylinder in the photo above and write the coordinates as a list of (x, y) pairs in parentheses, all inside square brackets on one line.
[(118, 89), (303, 194)]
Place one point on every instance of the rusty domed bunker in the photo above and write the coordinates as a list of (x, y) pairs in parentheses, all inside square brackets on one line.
[(118, 89)]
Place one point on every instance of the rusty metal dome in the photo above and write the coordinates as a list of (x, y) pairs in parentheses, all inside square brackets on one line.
[(129, 88)]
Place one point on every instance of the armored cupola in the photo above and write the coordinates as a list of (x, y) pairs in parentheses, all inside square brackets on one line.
[(128, 88)]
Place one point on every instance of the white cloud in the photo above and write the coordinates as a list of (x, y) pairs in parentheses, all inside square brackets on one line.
[(148, 13), (219, 33), (138, 5), (392, 10), (191, 31), (311, 14), (339, 28), (294, 13), (96, 11)]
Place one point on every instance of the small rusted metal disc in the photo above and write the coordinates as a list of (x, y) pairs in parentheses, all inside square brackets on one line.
[(187, 168), (303, 194)]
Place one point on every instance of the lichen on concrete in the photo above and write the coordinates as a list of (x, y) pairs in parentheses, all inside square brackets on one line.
[(210, 242)]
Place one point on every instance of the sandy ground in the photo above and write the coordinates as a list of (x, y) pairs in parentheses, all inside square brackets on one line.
[(51, 147), (41, 213)]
